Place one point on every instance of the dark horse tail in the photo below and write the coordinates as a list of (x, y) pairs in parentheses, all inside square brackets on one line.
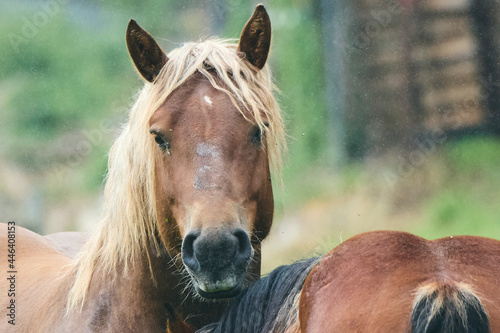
[(448, 307)]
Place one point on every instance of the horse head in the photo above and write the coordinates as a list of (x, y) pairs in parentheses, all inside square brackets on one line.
[(214, 200)]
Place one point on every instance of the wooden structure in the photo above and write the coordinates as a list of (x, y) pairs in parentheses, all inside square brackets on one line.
[(421, 67)]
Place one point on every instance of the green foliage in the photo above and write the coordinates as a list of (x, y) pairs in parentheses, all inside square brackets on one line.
[(478, 155), (467, 203), (64, 78), (298, 62)]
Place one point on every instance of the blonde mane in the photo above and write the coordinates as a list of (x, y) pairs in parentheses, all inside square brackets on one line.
[(128, 222)]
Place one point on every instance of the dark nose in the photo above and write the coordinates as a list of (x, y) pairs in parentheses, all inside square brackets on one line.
[(216, 251)]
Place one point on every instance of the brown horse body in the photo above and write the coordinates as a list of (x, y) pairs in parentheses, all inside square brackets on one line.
[(189, 177), (373, 282)]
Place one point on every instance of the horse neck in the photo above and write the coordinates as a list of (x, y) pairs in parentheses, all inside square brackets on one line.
[(122, 300)]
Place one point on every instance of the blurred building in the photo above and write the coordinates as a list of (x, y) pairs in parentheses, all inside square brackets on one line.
[(416, 68)]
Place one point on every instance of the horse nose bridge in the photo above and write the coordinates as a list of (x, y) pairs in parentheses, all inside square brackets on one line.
[(214, 169), (216, 213)]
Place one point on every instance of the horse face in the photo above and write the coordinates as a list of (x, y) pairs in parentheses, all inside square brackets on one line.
[(213, 186)]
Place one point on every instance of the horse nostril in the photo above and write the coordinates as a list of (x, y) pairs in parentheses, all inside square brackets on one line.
[(244, 247), (215, 251), (187, 251)]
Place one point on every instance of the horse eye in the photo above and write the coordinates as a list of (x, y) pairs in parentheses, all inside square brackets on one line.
[(257, 136), (162, 144)]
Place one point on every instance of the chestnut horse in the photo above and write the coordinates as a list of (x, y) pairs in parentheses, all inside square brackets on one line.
[(388, 281), (187, 202), (380, 282)]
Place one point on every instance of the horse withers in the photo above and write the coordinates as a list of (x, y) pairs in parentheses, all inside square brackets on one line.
[(187, 202)]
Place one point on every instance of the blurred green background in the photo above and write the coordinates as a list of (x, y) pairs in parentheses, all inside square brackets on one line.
[(367, 91)]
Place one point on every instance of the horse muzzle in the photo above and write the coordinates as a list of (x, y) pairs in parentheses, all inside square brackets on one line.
[(217, 260)]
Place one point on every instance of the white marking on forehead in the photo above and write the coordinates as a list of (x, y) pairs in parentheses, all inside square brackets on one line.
[(206, 149), (207, 176), (201, 184), (207, 99), (204, 169)]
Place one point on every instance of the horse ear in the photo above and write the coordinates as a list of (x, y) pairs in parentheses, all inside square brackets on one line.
[(148, 57), (255, 38)]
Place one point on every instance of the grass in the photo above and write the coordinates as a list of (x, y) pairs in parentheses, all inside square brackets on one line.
[(469, 200)]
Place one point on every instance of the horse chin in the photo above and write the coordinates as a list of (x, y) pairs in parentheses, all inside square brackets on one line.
[(220, 295), (218, 290)]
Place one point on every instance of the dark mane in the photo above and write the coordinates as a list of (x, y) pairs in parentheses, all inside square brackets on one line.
[(269, 304)]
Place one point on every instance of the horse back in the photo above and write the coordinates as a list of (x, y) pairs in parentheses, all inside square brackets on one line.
[(370, 282), (38, 280), (68, 242)]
